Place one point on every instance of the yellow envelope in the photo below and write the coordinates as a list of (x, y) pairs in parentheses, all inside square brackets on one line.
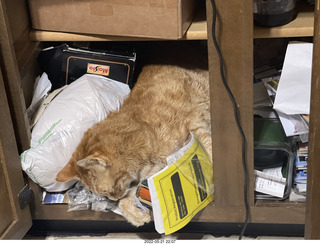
[(182, 189)]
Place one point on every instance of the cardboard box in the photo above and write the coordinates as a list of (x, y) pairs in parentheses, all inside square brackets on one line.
[(166, 19)]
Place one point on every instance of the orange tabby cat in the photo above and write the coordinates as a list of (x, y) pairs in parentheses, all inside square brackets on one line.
[(131, 145)]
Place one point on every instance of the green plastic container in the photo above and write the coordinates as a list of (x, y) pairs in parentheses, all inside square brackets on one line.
[(272, 149)]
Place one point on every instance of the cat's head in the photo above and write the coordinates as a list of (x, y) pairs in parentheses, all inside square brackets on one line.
[(100, 176)]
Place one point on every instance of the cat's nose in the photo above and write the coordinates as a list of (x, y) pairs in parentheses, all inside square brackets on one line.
[(112, 196)]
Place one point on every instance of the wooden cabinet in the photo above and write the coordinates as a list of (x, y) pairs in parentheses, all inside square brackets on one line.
[(235, 34), (312, 217), (15, 220)]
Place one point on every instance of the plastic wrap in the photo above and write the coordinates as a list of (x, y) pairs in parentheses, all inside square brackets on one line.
[(81, 198)]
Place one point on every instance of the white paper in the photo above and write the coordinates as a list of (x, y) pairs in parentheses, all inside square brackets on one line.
[(293, 93), (270, 182), (295, 197), (293, 124), (301, 187), (276, 172), (156, 209)]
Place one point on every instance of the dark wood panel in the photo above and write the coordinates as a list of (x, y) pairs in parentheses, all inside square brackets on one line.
[(15, 221), (19, 25), (277, 214), (235, 37), (12, 81), (312, 226), (5, 207)]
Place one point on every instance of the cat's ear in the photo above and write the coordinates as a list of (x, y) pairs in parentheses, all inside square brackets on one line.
[(88, 163), (67, 173)]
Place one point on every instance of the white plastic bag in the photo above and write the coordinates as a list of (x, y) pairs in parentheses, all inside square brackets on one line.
[(78, 107), (41, 89)]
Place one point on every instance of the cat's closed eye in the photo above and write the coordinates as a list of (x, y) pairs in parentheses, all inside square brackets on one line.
[(103, 192), (133, 183)]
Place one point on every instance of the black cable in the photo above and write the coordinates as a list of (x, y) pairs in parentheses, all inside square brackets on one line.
[(237, 119)]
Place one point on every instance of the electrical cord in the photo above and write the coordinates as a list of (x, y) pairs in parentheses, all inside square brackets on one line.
[(237, 119)]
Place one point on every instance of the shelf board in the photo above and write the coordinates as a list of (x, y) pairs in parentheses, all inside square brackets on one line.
[(301, 26), (281, 214), (42, 35), (281, 203), (196, 31)]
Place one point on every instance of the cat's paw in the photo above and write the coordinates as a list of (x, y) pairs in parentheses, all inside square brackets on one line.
[(139, 218), (133, 214)]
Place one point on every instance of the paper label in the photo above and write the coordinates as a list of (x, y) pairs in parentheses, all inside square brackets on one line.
[(98, 69)]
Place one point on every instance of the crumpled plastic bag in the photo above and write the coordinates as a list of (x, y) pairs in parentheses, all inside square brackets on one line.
[(59, 130), (80, 198)]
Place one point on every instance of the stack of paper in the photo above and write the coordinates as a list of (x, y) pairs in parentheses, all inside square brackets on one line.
[(301, 168), (289, 89), (270, 181), (299, 190), (289, 94), (271, 83), (265, 87), (292, 102)]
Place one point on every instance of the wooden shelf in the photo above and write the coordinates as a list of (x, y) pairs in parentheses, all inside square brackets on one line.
[(280, 203), (281, 214), (301, 26), (196, 31)]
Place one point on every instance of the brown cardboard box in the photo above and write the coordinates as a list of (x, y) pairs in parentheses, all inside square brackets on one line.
[(167, 19)]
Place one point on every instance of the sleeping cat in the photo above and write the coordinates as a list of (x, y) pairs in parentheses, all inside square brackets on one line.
[(132, 144)]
